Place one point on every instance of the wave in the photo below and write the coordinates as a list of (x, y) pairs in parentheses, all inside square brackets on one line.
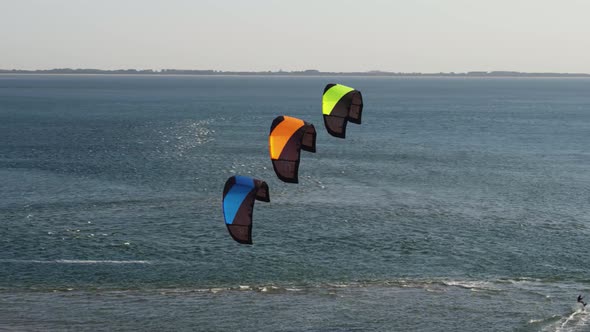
[(332, 286), (475, 286), (575, 321), (532, 286), (74, 261)]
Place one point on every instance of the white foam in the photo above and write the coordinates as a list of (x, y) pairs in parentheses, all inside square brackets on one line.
[(576, 321), (338, 285), (217, 290), (472, 285)]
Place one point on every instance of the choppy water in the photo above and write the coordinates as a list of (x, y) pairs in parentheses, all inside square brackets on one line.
[(458, 205)]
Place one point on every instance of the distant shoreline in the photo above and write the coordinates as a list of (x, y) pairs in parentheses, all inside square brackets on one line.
[(306, 73)]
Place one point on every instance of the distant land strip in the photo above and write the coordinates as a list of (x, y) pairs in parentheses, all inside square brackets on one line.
[(309, 72)]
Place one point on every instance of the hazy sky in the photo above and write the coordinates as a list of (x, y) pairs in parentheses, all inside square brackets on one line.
[(328, 35)]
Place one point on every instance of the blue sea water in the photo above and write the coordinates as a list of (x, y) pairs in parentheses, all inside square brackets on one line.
[(459, 204)]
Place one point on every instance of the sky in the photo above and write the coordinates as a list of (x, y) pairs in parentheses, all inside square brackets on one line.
[(327, 35)]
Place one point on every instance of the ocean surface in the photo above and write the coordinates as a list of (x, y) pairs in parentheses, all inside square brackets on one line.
[(459, 204)]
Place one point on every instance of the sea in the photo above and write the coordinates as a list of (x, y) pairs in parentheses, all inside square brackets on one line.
[(459, 204)]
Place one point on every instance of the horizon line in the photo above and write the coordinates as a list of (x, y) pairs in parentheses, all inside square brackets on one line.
[(307, 72)]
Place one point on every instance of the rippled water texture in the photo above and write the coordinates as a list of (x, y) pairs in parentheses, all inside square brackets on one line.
[(458, 205)]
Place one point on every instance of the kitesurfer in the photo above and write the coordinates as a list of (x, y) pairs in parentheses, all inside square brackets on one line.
[(580, 297)]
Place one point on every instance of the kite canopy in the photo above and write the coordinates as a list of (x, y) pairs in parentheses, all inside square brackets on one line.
[(341, 104), (238, 204), (287, 137)]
